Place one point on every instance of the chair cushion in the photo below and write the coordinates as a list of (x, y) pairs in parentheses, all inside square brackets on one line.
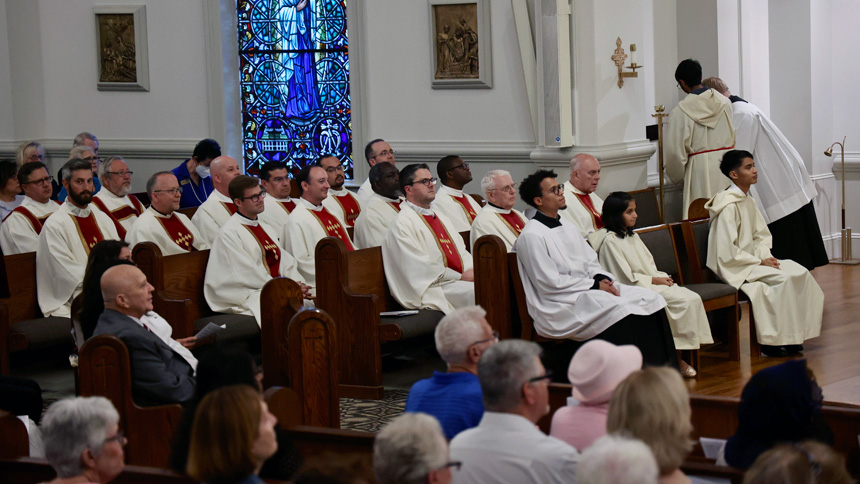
[(417, 325), (40, 333), (240, 327), (712, 290)]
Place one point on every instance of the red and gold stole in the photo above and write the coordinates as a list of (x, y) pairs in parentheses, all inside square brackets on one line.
[(289, 206), (119, 214), (178, 232), (350, 208), (36, 222), (466, 206), (88, 230), (230, 207), (596, 219), (444, 242), (271, 252), (332, 226), (395, 205), (513, 221)]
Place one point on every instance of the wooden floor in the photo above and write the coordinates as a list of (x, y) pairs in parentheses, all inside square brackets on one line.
[(834, 356)]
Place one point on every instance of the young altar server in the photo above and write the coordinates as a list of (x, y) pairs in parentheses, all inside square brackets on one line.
[(786, 301), (623, 253)]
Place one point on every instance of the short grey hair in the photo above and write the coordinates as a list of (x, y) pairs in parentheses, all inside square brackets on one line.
[(81, 137), (79, 151), (408, 448), (105, 166), (73, 165), (72, 425), (575, 162), (150, 184), (615, 459), (489, 181), (457, 331), (503, 370)]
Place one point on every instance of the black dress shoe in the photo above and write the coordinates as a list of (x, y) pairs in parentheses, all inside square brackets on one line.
[(794, 348), (774, 351)]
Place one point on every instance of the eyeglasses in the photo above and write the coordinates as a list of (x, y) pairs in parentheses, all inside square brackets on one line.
[(119, 437), (279, 179), (507, 189), (120, 173), (172, 191), (254, 198), (494, 338), (464, 166), (454, 464), (48, 179), (36, 157), (333, 169), (427, 182), (385, 153), (545, 376), (557, 190)]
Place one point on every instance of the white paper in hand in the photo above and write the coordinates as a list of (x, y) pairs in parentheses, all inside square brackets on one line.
[(209, 330)]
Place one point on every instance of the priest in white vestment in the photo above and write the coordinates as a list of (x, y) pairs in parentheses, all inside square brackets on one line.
[(498, 217), (425, 260), (787, 303), (19, 232), (114, 199), (218, 208), (459, 207), (371, 228), (340, 201), (66, 239), (375, 151), (161, 224), (583, 207), (700, 132), (310, 222), (276, 181), (245, 255)]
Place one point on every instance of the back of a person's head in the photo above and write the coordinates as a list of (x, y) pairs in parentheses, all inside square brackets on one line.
[(72, 425), (803, 463), (503, 370), (614, 459), (408, 448), (457, 332)]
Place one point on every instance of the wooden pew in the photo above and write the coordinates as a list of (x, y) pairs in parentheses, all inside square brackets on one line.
[(15, 441), (188, 212), (29, 470), (284, 298), (646, 207)]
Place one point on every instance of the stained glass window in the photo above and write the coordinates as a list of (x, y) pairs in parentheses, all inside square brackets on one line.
[(294, 81)]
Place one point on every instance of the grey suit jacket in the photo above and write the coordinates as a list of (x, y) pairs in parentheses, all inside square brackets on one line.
[(159, 375)]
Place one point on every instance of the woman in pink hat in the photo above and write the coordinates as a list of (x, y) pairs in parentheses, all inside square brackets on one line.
[(595, 370)]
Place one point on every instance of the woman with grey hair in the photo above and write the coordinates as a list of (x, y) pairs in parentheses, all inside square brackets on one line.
[(83, 442), (412, 450)]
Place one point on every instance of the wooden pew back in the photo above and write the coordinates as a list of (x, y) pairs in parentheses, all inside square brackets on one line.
[(29, 470), (646, 207), (15, 441), (21, 276), (314, 367), (283, 300)]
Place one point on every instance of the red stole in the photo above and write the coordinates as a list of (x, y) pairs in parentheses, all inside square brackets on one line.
[(466, 206), (513, 221), (596, 219), (178, 232), (446, 245), (36, 222), (289, 206), (88, 230), (230, 207), (350, 208), (395, 205), (120, 214), (271, 252), (332, 226)]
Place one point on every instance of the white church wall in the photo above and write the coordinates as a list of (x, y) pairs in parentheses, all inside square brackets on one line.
[(7, 127)]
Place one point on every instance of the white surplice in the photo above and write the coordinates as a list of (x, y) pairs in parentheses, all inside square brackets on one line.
[(557, 268), (365, 191), (113, 202), (632, 263), (237, 270), (211, 215), (577, 212), (372, 225), (275, 215), (415, 267), (300, 237), (700, 132), (452, 209), (17, 233), (148, 228), (490, 222), (61, 257), (787, 303), (335, 208)]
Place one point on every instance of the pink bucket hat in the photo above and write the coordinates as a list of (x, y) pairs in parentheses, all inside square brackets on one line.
[(598, 367)]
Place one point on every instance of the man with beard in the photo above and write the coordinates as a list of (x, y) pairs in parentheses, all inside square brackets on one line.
[(276, 181), (66, 239), (460, 208), (114, 199), (340, 201), (218, 208), (20, 230), (372, 226)]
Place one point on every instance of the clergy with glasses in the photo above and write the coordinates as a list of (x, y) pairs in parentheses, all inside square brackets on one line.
[(20, 230), (425, 260), (114, 199), (460, 208), (383, 207), (583, 205), (276, 181), (218, 208), (375, 152), (340, 201), (498, 217), (161, 223)]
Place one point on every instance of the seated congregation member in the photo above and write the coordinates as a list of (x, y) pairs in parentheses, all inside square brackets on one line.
[(310, 222), (340, 201), (10, 189), (595, 370), (507, 446), (83, 442), (66, 239), (801, 463), (786, 302), (159, 374), (425, 260), (623, 253), (218, 208), (614, 459), (161, 224), (412, 449), (29, 152), (86, 147), (20, 230), (381, 208), (454, 398), (114, 199), (276, 181), (583, 205), (233, 435), (193, 173), (375, 151), (498, 216), (460, 208), (570, 297)]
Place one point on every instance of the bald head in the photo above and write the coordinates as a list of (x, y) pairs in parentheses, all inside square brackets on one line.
[(584, 172), (223, 170), (718, 85), (125, 290)]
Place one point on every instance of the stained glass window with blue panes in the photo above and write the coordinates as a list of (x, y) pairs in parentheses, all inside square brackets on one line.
[(294, 80)]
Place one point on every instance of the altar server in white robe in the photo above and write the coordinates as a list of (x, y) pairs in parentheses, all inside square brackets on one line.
[(570, 296), (340, 201), (583, 207), (161, 224), (310, 222), (19, 232), (218, 208), (66, 239), (787, 303), (374, 152), (425, 260), (383, 207), (498, 217), (276, 181), (114, 199), (460, 208), (623, 253), (245, 255), (700, 132)]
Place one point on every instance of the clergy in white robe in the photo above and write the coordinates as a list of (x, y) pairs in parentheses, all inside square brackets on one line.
[(364, 192), (340, 202), (114, 199), (498, 217), (460, 208), (20, 230), (218, 208), (382, 208), (277, 212), (375, 151), (583, 205), (276, 181), (161, 223)]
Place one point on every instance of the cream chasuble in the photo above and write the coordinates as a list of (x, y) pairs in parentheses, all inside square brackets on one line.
[(212, 214), (19, 232), (61, 256), (122, 210), (458, 207), (632, 263), (506, 224), (787, 303), (557, 267), (276, 213), (418, 272), (344, 205), (578, 212), (365, 191), (173, 234), (372, 225), (304, 229)]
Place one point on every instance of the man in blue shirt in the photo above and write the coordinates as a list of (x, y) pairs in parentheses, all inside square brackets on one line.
[(193, 174), (455, 398)]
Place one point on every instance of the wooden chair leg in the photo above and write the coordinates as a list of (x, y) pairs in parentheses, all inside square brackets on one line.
[(755, 347), (733, 323)]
